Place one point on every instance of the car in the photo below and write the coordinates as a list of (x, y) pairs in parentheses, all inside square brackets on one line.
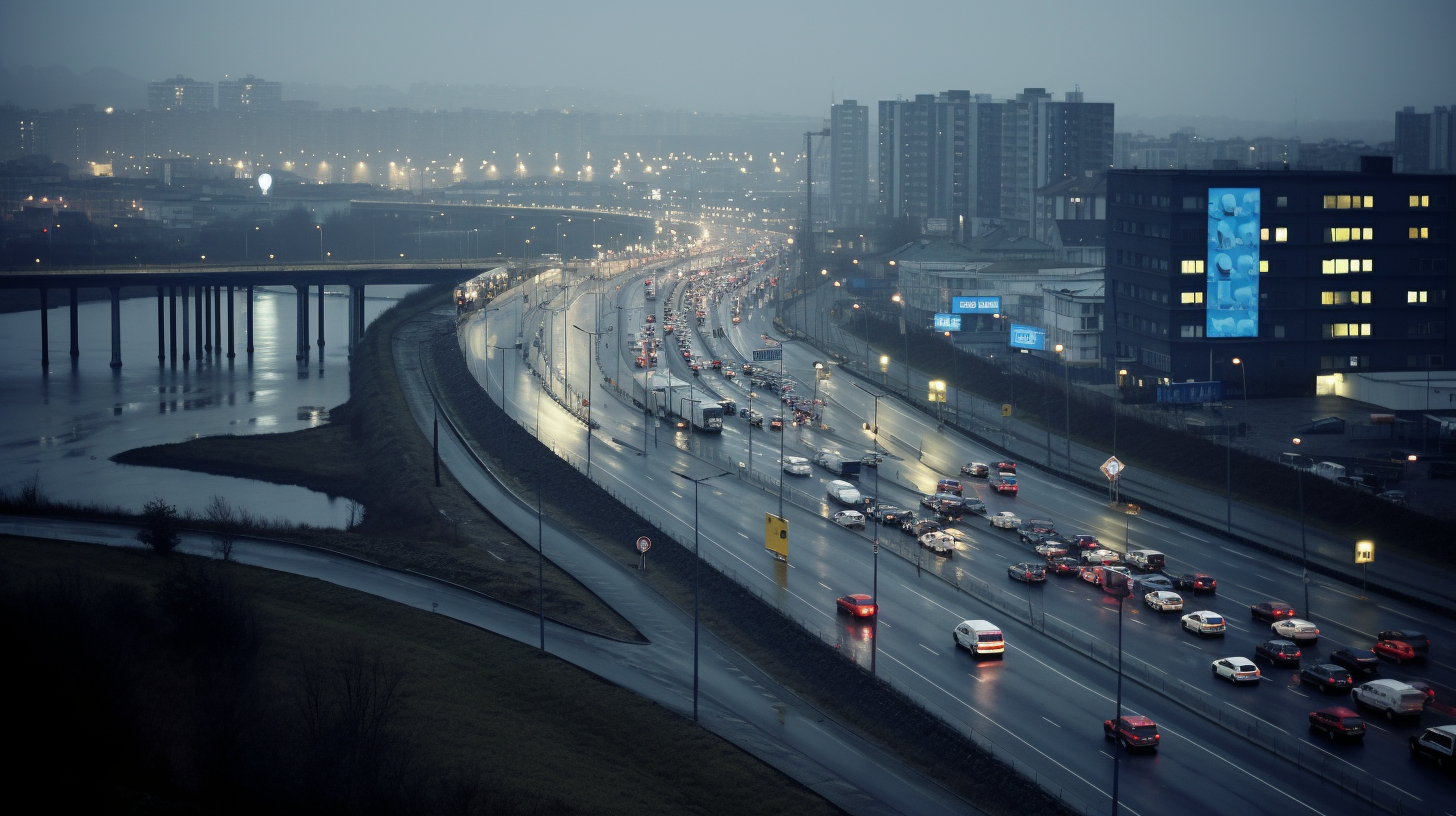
[(1196, 582), (973, 504), (1004, 484), (797, 466), (940, 543), (1051, 549), (1397, 651), (980, 637), (651, 318), (1005, 467), (873, 460), (1063, 566), (1026, 572), (1005, 519), (1411, 637), (1164, 601), (853, 519), (1083, 541), (752, 417), (1337, 722), (1358, 661), (1101, 557), (887, 513), (924, 526), (1437, 744), (1152, 583), (1327, 676), (776, 423), (1271, 611), (1035, 525), (1295, 629), (949, 505), (1205, 622), (1424, 688), (858, 605), (929, 501), (1236, 670), (948, 486), (1132, 732), (979, 470), (1394, 698), (1278, 652)]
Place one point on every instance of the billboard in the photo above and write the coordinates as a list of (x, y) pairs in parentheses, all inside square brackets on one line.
[(1190, 393), (947, 322), (976, 305), (1232, 301), (1027, 337)]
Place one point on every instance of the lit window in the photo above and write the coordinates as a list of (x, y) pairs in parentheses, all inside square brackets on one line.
[(1415, 297), (1420, 201), (1191, 297), (1349, 202), (1191, 267), (1420, 233), (1340, 235), (1281, 234), (1264, 234), (1346, 330), (1344, 298)]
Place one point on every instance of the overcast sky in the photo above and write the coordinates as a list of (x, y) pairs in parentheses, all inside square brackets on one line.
[(1273, 60)]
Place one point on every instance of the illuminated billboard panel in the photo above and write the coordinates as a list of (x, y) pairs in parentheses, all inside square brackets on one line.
[(1027, 337), (947, 322), (976, 305), (1232, 302)]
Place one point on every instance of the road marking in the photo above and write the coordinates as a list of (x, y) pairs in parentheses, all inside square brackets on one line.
[(1229, 762), (675, 493), (826, 586), (973, 677), (745, 535), (928, 649), (1156, 524), (1340, 592), (497, 557), (1196, 538), (1369, 724), (1135, 620), (1296, 691), (1239, 554), (1044, 718)]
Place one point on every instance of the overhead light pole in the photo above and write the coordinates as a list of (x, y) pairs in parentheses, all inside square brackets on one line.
[(904, 332), (697, 562), (875, 581), (1067, 395), (1303, 543), (591, 353)]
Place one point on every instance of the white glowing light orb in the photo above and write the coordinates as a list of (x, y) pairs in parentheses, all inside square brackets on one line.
[(264, 182)]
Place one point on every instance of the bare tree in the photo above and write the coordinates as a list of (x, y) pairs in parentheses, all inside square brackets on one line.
[(226, 523), (159, 526)]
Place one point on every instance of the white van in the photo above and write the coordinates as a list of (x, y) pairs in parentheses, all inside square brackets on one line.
[(1395, 698), (844, 493), (980, 637)]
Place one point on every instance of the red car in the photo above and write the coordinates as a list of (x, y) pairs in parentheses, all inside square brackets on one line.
[(1063, 566), (1005, 467), (948, 486), (858, 605), (1396, 650), (1004, 484), (1132, 732), (1337, 722), (1272, 611)]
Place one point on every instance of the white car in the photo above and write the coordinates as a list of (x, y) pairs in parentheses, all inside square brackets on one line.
[(1296, 629), (1164, 601), (1006, 520), (1236, 670), (797, 466), (1204, 622), (853, 519), (943, 543), (1101, 557)]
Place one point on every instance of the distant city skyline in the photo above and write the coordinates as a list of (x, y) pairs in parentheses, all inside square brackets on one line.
[(1281, 62)]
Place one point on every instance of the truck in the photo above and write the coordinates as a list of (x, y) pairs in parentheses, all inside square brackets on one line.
[(648, 290), (836, 463), (1146, 560), (668, 397)]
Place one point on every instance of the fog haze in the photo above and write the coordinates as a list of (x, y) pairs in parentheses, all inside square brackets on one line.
[(1267, 61)]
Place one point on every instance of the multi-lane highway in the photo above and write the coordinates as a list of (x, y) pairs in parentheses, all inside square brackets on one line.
[(1041, 707)]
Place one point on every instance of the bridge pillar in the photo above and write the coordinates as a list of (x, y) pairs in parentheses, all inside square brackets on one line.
[(301, 321), (204, 322), (75, 326), (217, 319), (248, 329), (161, 325), (199, 306), (352, 330), (321, 321), (45, 331), (231, 321), (172, 319), (186, 328), (115, 327), (359, 318)]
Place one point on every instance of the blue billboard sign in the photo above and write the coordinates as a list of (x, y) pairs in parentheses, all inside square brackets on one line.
[(1027, 337), (976, 305), (947, 322), (1232, 302), (1190, 393)]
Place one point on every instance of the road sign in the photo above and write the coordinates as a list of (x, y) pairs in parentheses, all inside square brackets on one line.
[(768, 355), (1364, 552), (776, 536), (1005, 409), (644, 544), (1112, 468)]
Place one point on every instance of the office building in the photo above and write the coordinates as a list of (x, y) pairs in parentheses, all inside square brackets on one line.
[(1302, 276), (1423, 141), (249, 93), (180, 94), (849, 164)]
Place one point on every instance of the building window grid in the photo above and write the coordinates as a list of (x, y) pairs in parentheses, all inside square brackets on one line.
[(1420, 201), (1190, 297), (1416, 296), (1191, 267), (1346, 266), (1341, 235), (1344, 298), (1420, 233), (1349, 202), (1330, 330)]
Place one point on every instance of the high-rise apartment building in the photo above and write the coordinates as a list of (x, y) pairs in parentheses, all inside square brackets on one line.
[(249, 93), (1423, 141), (849, 164), (179, 93)]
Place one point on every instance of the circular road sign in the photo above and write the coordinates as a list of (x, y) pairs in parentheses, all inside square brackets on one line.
[(644, 544)]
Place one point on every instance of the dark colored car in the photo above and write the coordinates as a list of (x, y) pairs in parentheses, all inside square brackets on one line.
[(1337, 722), (1358, 661), (1417, 641), (1272, 611), (948, 486), (924, 526), (1132, 732), (888, 513), (859, 605), (1196, 582), (908, 522), (1327, 677), (1026, 572), (1279, 652), (1063, 566), (1086, 542)]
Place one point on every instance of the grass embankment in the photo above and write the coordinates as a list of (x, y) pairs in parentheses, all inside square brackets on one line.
[(167, 684), (371, 452)]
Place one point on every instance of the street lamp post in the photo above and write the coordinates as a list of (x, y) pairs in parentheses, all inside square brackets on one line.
[(904, 332), (751, 395), (591, 353), (697, 561), (1303, 543), (1067, 395), (1116, 743), (875, 581)]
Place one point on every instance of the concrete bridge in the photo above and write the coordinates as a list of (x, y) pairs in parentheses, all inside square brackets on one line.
[(201, 291)]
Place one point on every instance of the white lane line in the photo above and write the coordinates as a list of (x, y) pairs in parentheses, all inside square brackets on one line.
[(826, 586), (1239, 554), (1140, 623), (675, 493), (1157, 524), (928, 649), (973, 677), (1063, 676), (1226, 760), (745, 535), (1296, 691), (1196, 538), (1044, 718), (1260, 719), (1340, 592), (1369, 724)]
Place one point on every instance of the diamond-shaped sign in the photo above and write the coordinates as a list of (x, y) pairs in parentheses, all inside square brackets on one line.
[(1112, 468)]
